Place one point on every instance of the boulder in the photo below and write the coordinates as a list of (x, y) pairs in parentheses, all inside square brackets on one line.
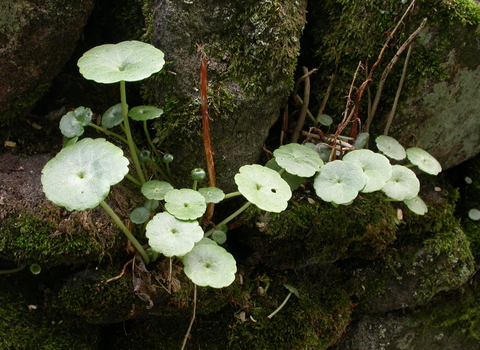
[(36, 40)]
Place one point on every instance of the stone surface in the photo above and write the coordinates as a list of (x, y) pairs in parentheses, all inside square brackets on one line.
[(36, 39), (252, 51)]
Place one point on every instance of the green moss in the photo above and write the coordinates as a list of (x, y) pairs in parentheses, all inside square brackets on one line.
[(33, 238), (308, 234)]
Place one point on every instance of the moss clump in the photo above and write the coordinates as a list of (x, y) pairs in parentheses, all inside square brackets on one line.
[(27, 323), (25, 104), (308, 234)]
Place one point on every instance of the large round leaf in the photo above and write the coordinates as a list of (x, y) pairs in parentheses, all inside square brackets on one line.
[(80, 176), (424, 160), (210, 265), (298, 160), (142, 113), (128, 61), (172, 237), (390, 147), (339, 182), (72, 124), (375, 166), (263, 187), (185, 204), (403, 184), (293, 181)]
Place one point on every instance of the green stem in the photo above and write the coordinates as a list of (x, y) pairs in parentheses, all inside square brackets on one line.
[(126, 231), (226, 220), (195, 183), (108, 132), (233, 194), (4, 272), (128, 132), (280, 307), (134, 180)]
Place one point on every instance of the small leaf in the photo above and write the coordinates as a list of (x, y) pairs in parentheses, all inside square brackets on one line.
[(375, 166), (35, 269), (417, 205), (339, 182), (292, 289), (141, 113), (263, 187), (390, 147), (80, 176), (112, 116), (151, 204), (298, 159), (185, 204), (128, 61), (403, 184), (361, 140), (72, 124), (156, 189), (219, 236), (325, 119), (212, 194), (210, 265), (424, 160), (172, 237), (474, 214), (139, 215)]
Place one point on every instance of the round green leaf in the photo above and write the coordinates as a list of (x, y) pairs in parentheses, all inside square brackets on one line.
[(127, 61), (375, 166), (390, 147), (141, 113), (339, 182), (424, 160), (219, 236), (172, 237), (151, 204), (263, 187), (210, 265), (156, 189), (403, 184), (361, 140), (139, 215), (298, 159), (35, 269), (417, 205), (72, 124), (185, 204), (474, 214), (293, 181), (112, 116), (80, 176), (325, 119), (212, 194)]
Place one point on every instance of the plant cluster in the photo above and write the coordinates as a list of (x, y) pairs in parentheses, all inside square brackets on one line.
[(79, 177)]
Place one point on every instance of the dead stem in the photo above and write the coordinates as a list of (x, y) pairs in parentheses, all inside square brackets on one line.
[(193, 317), (121, 273), (399, 90), (306, 100)]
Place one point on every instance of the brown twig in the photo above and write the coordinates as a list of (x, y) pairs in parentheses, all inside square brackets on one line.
[(193, 317), (306, 100), (399, 90), (387, 71), (121, 273), (207, 144)]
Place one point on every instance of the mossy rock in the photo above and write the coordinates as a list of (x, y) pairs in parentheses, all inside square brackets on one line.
[(312, 232)]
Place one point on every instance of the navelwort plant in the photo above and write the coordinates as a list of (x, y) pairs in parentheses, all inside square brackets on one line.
[(80, 176)]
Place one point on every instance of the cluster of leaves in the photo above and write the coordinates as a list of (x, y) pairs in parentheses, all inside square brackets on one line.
[(81, 174)]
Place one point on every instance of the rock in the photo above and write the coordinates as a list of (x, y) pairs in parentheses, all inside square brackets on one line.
[(252, 52), (36, 40)]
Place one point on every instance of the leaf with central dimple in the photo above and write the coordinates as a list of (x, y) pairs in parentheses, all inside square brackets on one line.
[(127, 61), (172, 237), (390, 147), (210, 265), (112, 116), (263, 187), (403, 184), (339, 182), (298, 159), (375, 166), (212, 194), (185, 204), (141, 113), (156, 189), (80, 175)]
